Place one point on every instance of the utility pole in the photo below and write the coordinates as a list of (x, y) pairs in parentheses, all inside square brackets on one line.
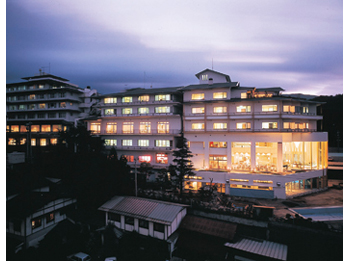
[(135, 178)]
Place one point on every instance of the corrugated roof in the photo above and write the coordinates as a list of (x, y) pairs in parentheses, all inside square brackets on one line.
[(264, 248), (148, 209)]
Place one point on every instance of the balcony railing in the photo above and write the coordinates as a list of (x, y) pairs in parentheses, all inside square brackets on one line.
[(140, 114), (254, 130), (141, 132)]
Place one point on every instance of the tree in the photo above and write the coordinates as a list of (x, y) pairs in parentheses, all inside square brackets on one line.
[(183, 164)]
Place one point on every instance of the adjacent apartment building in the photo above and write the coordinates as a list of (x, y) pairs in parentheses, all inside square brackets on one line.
[(249, 142)]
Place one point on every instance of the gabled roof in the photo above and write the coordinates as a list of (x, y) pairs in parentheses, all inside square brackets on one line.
[(205, 70), (142, 208)]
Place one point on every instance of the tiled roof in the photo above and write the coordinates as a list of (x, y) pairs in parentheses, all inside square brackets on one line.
[(148, 209), (262, 248)]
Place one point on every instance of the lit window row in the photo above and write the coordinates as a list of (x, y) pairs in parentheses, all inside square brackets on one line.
[(295, 125), (143, 110), (141, 98), (161, 158), (128, 127), (39, 106), (31, 87), (35, 128), (38, 115), (216, 95), (140, 143), (33, 142)]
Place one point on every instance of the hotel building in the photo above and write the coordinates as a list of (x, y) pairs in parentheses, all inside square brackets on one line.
[(249, 142)]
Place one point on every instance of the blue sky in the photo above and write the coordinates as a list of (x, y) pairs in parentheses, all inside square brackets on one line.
[(111, 45)]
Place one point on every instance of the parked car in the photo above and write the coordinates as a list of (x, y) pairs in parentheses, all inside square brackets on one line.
[(79, 257)]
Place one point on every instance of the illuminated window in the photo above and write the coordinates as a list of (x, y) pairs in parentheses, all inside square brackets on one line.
[(14, 128), (127, 111), (240, 155), (163, 127), (219, 95), (129, 158), (243, 125), (269, 125), (22, 141), (263, 181), (23, 128), (36, 222), (12, 142), (31, 106), (56, 127), (111, 127), (243, 108), (143, 143), (218, 144), (110, 112), (220, 126), (240, 180), (50, 217), (217, 162), (53, 141), (143, 110), (95, 127), (266, 156), (7, 128), (197, 96), (62, 105), (198, 110), (162, 143), (269, 108), (32, 97), (110, 100), (33, 142), (288, 108), (145, 127), (35, 128), (305, 109), (204, 77), (42, 106), (110, 142), (45, 128), (126, 142), (127, 99), (243, 95), (143, 98), (145, 159), (21, 107), (162, 158), (164, 109), (162, 97), (41, 86), (128, 127), (220, 109), (43, 142), (198, 126)]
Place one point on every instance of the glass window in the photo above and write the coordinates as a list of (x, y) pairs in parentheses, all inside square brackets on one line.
[(217, 162), (62, 115), (266, 156), (127, 142), (244, 108), (50, 115), (110, 112), (162, 97), (220, 109), (45, 128), (243, 125), (158, 227), (111, 127), (53, 141), (36, 222), (51, 105), (220, 126), (145, 127), (145, 159), (162, 158), (127, 111), (143, 98), (31, 106), (62, 105), (114, 217), (95, 127), (198, 126), (243, 95), (164, 109), (128, 127), (163, 127), (197, 96), (219, 95), (32, 97), (143, 143), (240, 157), (21, 107), (35, 128), (56, 127), (268, 108), (218, 144), (23, 128), (42, 106), (204, 77), (129, 220), (127, 99), (41, 86), (198, 110), (14, 128), (129, 158), (110, 100), (269, 125), (12, 141), (162, 143), (110, 142), (143, 223), (288, 108), (12, 107), (143, 110), (43, 142), (33, 142)]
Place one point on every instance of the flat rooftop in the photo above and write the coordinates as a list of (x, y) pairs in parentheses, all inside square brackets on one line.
[(320, 213)]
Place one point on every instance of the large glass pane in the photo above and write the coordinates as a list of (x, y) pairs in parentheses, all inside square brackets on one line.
[(241, 158), (266, 156)]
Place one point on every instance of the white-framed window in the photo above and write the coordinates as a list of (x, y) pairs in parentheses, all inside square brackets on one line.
[(204, 77), (219, 95), (288, 108), (111, 127), (143, 110), (127, 99), (162, 143), (127, 111), (164, 109), (110, 112), (269, 125), (143, 143), (95, 127), (197, 96), (269, 108), (162, 97), (199, 110), (220, 126), (43, 142), (128, 127), (198, 126), (220, 109), (243, 95), (145, 127), (243, 125), (305, 109), (243, 108), (143, 98), (127, 142), (110, 142), (110, 100), (163, 127)]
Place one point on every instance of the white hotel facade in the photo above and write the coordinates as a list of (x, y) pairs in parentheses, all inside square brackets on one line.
[(250, 142)]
